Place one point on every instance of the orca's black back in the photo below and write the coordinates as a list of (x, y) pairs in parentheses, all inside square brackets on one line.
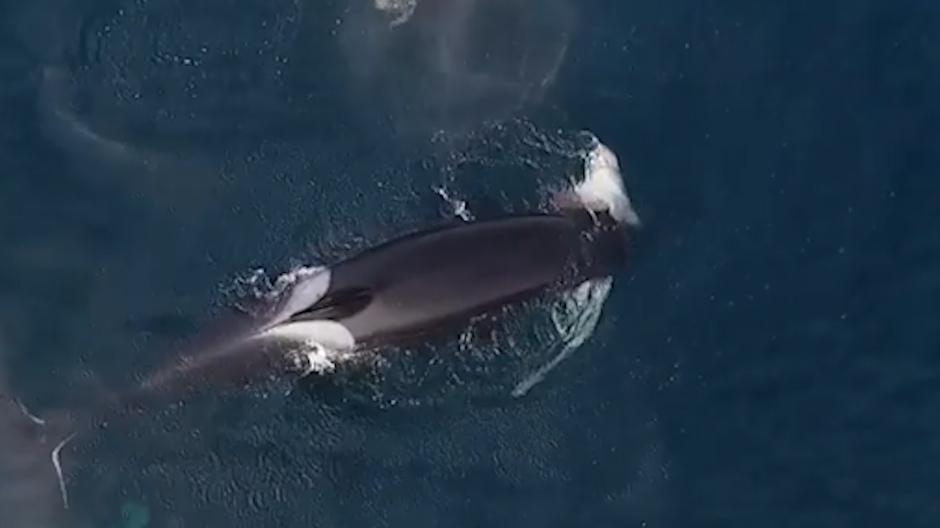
[(427, 278)]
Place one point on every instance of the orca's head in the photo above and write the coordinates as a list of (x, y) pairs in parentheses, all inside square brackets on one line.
[(606, 244)]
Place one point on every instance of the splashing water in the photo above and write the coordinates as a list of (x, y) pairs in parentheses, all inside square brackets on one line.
[(575, 317), (458, 207), (312, 357), (399, 10)]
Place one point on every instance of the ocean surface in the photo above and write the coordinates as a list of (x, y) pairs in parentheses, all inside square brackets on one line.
[(770, 357)]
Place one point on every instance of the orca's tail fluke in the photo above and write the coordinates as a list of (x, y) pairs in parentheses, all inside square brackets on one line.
[(33, 491)]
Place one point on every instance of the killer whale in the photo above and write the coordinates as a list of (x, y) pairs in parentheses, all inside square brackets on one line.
[(405, 288), (419, 283), (416, 284), (426, 282)]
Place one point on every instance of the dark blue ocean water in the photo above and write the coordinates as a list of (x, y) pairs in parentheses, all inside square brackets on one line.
[(770, 358)]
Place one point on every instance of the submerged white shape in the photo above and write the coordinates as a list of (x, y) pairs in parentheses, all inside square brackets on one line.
[(307, 285), (66, 129), (602, 188), (575, 319), (330, 334)]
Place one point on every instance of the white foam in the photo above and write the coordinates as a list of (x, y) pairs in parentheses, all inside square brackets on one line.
[(458, 206), (320, 344), (575, 319), (399, 10), (312, 357), (576, 316), (602, 188)]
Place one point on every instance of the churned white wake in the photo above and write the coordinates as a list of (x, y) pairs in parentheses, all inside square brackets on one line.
[(576, 315), (602, 188), (311, 356), (399, 10), (458, 207)]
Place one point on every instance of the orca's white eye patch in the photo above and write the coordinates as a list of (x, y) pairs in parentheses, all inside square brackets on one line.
[(310, 287)]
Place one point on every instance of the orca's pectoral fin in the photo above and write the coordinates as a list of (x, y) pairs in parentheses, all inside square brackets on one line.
[(28, 444)]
